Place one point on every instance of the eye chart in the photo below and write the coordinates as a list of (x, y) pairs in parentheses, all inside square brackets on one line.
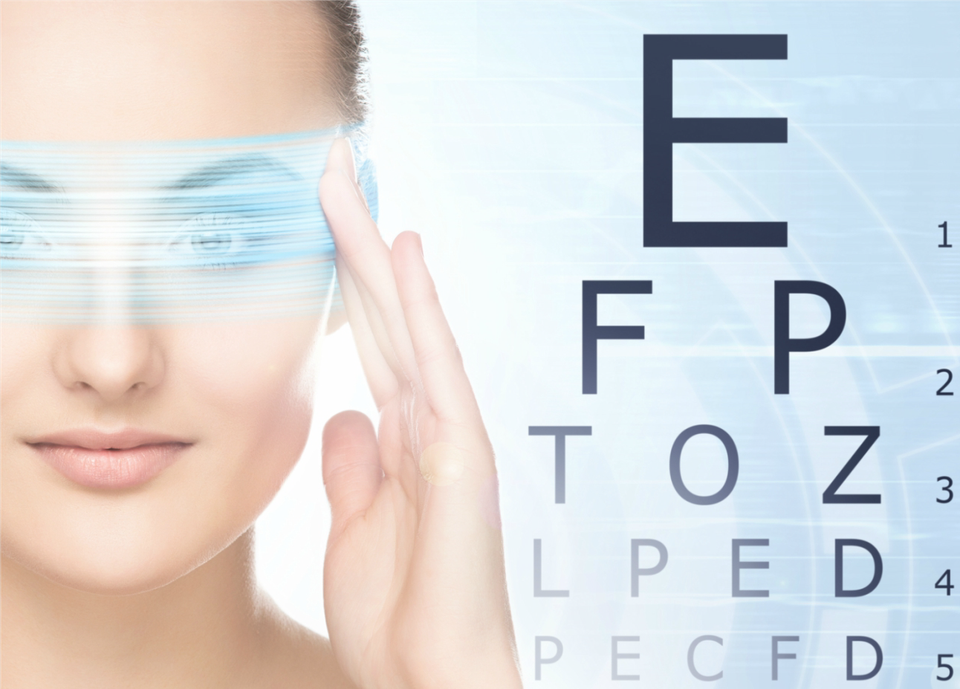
[(703, 260)]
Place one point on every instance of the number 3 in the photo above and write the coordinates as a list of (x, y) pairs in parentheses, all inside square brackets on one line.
[(946, 489)]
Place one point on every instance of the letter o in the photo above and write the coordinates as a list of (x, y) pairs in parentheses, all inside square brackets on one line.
[(733, 465)]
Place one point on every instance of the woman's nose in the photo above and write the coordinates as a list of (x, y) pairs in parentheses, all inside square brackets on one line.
[(114, 361)]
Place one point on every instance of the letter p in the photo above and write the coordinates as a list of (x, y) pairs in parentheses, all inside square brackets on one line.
[(557, 652), (783, 344)]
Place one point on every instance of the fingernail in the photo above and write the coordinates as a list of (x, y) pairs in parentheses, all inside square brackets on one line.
[(351, 165), (335, 155), (357, 190)]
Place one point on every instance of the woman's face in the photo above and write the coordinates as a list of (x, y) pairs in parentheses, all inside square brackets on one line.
[(132, 454)]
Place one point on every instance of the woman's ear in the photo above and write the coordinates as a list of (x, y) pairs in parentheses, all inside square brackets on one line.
[(336, 318)]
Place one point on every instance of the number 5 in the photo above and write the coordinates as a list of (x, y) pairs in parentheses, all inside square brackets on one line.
[(948, 666)]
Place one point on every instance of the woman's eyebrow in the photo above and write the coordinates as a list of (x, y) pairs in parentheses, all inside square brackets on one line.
[(209, 175), (222, 170), (18, 178)]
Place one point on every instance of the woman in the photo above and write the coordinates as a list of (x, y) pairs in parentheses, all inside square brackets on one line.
[(137, 453)]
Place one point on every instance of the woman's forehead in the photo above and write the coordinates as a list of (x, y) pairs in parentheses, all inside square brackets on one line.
[(130, 71)]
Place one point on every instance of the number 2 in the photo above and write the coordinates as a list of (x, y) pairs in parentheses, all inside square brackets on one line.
[(943, 388)]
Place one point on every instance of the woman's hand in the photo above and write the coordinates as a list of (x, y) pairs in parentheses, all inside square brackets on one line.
[(414, 583)]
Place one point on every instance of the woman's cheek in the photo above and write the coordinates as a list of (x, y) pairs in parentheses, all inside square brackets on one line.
[(252, 385), (243, 370)]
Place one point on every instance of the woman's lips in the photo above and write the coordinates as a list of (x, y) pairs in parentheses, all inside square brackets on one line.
[(109, 460)]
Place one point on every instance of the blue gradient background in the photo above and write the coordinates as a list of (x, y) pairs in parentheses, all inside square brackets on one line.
[(510, 135)]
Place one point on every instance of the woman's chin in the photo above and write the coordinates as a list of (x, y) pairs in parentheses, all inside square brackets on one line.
[(107, 571)]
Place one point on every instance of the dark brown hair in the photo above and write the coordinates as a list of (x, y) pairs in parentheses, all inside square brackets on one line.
[(349, 58)]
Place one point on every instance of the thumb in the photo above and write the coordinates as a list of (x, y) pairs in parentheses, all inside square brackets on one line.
[(351, 467)]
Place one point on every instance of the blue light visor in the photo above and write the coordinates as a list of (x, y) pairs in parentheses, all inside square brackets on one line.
[(169, 231)]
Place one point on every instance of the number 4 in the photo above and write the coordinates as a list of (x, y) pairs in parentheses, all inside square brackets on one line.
[(946, 586)]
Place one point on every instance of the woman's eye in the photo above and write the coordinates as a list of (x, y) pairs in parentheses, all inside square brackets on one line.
[(211, 242), (20, 236), (210, 236), (228, 240)]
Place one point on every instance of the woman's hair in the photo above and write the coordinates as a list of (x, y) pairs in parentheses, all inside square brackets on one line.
[(349, 57)]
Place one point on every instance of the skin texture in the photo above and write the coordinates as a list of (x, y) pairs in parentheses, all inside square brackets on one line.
[(153, 586)]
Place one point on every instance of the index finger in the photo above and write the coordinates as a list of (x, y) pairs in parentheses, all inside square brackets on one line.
[(366, 254)]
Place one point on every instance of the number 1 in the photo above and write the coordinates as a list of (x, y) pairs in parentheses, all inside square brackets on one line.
[(945, 245)]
